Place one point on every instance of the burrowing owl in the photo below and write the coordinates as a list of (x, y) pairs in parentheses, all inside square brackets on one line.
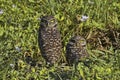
[(50, 40), (76, 49)]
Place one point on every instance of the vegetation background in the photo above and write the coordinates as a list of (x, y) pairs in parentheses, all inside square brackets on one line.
[(98, 21)]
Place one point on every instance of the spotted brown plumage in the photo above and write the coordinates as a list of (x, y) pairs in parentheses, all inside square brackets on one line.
[(76, 49), (49, 40)]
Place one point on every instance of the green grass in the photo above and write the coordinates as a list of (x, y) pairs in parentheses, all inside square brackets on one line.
[(19, 23)]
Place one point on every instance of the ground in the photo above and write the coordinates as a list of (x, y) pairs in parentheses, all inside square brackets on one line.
[(98, 21)]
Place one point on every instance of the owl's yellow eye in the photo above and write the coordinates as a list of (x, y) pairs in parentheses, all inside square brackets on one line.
[(81, 40), (52, 21)]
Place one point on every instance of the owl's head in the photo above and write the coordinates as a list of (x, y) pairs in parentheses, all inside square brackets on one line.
[(48, 21), (78, 41)]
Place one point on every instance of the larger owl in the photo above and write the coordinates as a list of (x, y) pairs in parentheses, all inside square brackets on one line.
[(76, 49), (49, 40)]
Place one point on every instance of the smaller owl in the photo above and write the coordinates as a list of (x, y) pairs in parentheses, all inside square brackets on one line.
[(76, 49)]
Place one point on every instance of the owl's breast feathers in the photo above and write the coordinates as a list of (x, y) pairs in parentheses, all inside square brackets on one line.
[(50, 44)]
